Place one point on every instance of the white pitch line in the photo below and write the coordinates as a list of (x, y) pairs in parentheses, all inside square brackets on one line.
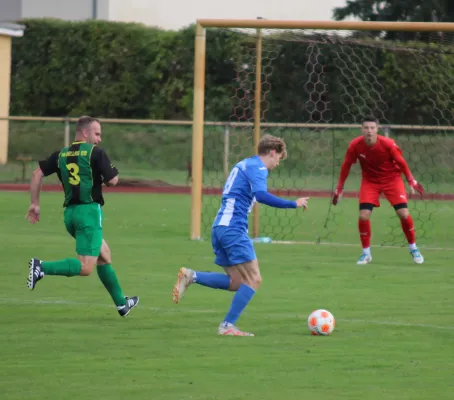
[(6, 300), (354, 245)]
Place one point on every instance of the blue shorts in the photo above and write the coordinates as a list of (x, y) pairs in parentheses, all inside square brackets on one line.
[(231, 246)]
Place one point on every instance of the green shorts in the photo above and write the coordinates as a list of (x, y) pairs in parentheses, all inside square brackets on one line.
[(84, 223)]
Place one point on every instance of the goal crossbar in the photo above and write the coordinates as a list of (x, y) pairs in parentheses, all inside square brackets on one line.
[(328, 25)]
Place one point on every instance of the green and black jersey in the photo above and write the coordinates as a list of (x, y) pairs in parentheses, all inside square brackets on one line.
[(82, 168)]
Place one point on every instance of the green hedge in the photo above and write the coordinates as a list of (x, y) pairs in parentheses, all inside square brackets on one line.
[(71, 68), (128, 70)]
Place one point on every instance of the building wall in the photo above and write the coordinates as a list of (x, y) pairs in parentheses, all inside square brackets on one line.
[(65, 9), (167, 14), (10, 10), (174, 14), (14, 10)]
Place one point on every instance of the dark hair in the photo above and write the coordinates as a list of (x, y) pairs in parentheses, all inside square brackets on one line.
[(269, 142), (84, 122), (370, 118)]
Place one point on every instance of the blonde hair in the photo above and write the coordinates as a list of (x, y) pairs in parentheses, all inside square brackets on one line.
[(269, 142)]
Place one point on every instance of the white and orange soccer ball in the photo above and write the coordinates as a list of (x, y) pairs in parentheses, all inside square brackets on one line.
[(321, 322)]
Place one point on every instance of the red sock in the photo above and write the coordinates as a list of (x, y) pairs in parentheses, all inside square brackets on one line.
[(409, 229), (364, 232)]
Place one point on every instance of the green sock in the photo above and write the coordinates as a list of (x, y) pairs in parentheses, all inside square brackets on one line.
[(66, 267), (109, 278)]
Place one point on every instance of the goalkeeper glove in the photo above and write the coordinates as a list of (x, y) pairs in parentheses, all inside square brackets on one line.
[(417, 186), (336, 196)]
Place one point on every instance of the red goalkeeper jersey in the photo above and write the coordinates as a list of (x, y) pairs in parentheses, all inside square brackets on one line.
[(380, 163)]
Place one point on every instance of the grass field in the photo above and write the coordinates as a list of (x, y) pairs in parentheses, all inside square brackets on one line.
[(393, 340)]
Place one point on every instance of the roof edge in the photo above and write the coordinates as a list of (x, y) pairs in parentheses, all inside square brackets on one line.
[(11, 29)]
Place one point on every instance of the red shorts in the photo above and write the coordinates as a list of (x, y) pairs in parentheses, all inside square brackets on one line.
[(394, 192)]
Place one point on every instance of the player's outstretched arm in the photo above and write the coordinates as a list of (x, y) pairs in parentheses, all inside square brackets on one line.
[(267, 198), (302, 202), (46, 167), (345, 171), (349, 160), (258, 182), (400, 160), (33, 212)]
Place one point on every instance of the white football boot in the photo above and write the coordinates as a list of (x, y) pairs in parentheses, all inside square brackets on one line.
[(364, 259), (184, 280), (417, 256), (227, 329)]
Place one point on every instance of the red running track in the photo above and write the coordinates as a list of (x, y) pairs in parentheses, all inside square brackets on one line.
[(24, 187)]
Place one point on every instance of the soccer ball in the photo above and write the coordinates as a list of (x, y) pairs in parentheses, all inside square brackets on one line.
[(321, 322)]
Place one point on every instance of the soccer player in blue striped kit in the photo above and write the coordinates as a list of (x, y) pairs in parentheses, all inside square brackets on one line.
[(234, 250)]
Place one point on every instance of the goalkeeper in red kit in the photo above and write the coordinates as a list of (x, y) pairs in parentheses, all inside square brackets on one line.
[(381, 164)]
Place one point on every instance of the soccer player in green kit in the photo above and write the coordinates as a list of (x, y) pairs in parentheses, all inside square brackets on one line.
[(82, 168)]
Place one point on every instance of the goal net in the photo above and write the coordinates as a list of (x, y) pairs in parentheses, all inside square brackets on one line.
[(312, 88)]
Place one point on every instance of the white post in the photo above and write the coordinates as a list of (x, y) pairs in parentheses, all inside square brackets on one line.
[(67, 132)]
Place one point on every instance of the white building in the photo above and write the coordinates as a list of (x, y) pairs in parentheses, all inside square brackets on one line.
[(167, 14)]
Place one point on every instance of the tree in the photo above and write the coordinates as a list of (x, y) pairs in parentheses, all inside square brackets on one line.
[(397, 10)]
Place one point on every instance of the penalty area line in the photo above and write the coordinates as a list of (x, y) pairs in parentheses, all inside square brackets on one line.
[(296, 242), (12, 301)]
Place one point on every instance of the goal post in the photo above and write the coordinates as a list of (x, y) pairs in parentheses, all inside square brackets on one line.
[(257, 116), (197, 136), (355, 44), (198, 128)]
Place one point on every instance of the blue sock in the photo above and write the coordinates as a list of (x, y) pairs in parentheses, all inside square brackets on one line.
[(241, 299), (213, 280)]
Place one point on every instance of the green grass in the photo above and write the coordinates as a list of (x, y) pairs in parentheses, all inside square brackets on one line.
[(395, 326)]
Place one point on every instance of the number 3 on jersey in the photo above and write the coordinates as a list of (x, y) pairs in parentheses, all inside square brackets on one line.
[(230, 180), (74, 178)]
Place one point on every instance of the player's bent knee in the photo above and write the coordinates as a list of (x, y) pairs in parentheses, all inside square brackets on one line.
[(87, 269), (236, 279), (253, 278), (247, 274), (364, 215), (403, 213), (255, 282), (235, 284), (402, 210), (88, 264)]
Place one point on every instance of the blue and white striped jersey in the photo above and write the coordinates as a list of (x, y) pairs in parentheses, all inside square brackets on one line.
[(246, 178)]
